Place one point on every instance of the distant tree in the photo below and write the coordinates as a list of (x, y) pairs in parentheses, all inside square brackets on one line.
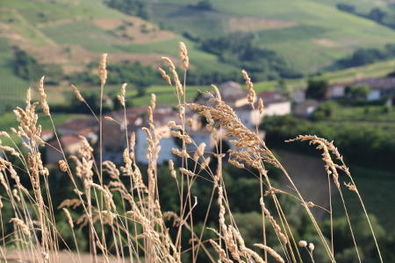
[(364, 56), (26, 66), (358, 92), (391, 74), (204, 5), (135, 73), (346, 7), (130, 7), (317, 89), (241, 51), (93, 100), (325, 110), (377, 15)]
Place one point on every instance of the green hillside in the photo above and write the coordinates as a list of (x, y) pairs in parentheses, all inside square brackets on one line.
[(309, 34), (73, 33)]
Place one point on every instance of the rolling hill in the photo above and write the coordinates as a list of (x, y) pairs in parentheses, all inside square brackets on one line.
[(71, 34), (309, 34)]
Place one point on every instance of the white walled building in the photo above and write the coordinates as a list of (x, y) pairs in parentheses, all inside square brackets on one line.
[(275, 103)]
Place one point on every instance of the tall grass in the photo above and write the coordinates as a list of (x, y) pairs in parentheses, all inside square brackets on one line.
[(120, 208)]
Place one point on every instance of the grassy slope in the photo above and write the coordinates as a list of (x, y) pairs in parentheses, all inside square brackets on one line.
[(314, 19), (44, 23), (165, 95), (363, 113), (376, 70), (342, 32), (11, 87), (75, 27)]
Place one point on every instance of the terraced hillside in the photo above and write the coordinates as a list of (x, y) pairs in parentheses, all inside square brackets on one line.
[(309, 34), (71, 34)]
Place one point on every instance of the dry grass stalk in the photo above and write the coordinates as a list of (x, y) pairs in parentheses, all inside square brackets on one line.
[(70, 203), (172, 170), (63, 166), (272, 252), (250, 87), (43, 96), (139, 211), (103, 68), (121, 96), (183, 52), (176, 79), (19, 224), (220, 252), (69, 218), (276, 227), (261, 106), (187, 172), (165, 76), (77, 93)]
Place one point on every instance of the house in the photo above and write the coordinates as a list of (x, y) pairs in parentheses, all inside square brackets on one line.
[(336, 91), (117, 130), (374, 94), (298, 96), (306, 108), (233, 94), (47, 135), (117, 125), (276, 104), (69, 133), (379, 88), (73, 126), (69, 143), (162, 116), (231, 88), (248, 116)]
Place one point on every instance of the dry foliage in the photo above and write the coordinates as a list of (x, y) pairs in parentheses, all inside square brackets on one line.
[(137, 229)]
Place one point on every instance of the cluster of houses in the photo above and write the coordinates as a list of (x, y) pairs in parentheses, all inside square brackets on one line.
[(116, 129), (378, 88)]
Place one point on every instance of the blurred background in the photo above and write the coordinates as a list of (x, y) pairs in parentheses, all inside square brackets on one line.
[(321, 67)]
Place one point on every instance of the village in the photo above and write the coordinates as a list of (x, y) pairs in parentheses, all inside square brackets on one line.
[(276, 103)]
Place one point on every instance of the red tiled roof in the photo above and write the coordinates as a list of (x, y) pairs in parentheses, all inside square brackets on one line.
[(380, 83), (270, 97), (47, 134), (79, 124)]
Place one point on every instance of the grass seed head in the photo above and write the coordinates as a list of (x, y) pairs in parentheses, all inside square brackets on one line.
[(184, 55), (103, 68), (77, 93)]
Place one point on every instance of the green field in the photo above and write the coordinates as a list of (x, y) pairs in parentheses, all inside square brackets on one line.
[(320, 33), (369, 181), (376, 70), (12, 88), (363, 114)]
